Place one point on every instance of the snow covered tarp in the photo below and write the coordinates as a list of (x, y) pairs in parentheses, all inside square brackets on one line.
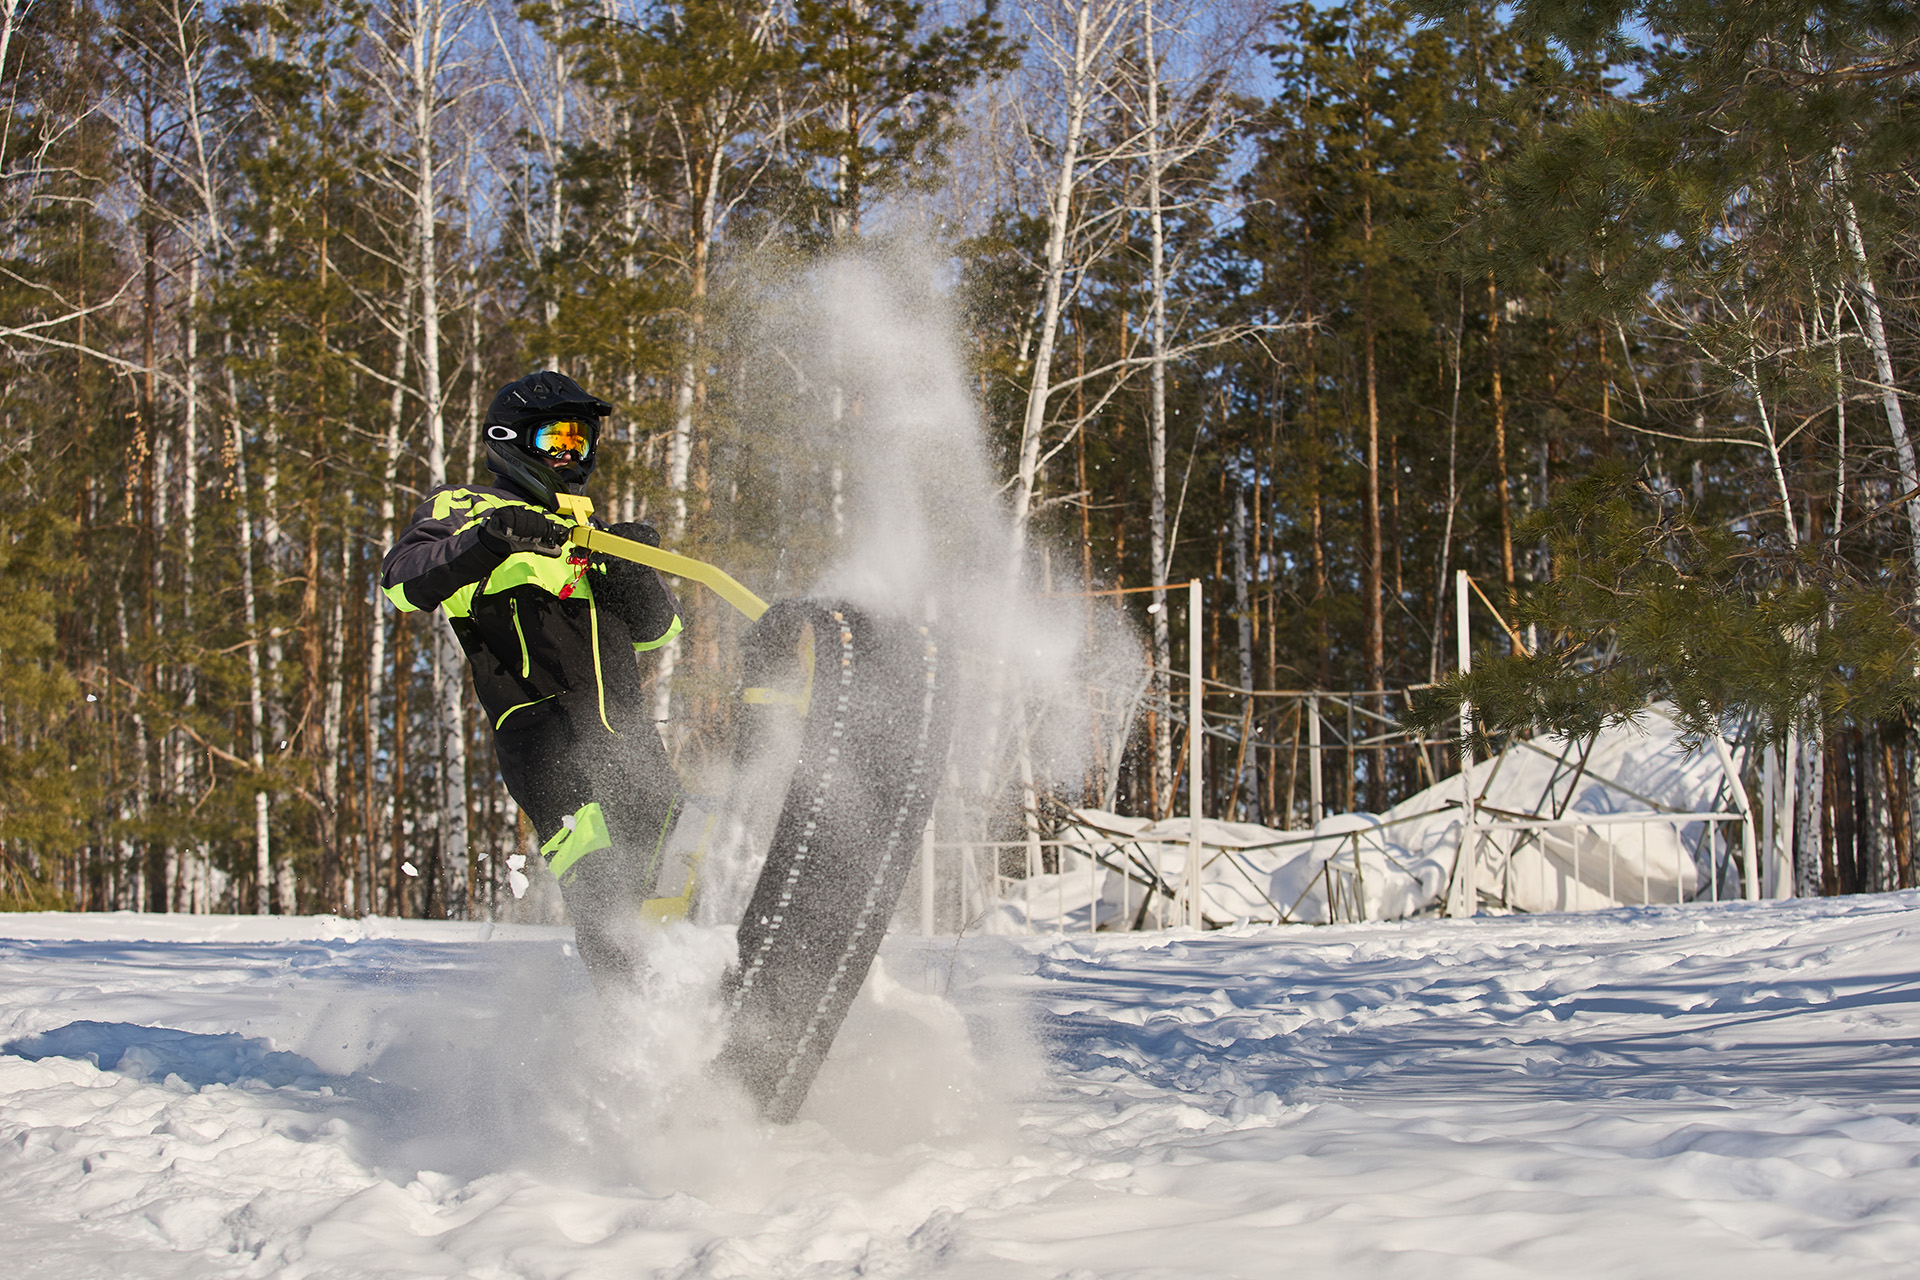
[(1621, 847), (1625, 851), (1249, 873)]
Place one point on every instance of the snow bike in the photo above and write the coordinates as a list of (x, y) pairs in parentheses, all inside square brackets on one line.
[(845, 719)]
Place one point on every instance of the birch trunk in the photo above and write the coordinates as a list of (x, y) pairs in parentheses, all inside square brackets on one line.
[(189, 516), (1771, 443), (1081, 56), (9, 13), (380, 820), (1243, 612), (1442, 575), (426, 54), (706, 190), (1374, 556), (1883, 369), (1159, 552), (686, 383), (1503, 482), (332, 734), (206, 176), (1372, 578), (1840, 424), (1809, 783), (256, 698), (271, 534)]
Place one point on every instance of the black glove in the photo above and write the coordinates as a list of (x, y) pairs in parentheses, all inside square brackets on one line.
[(510, 529), (633, 592), (636, 531)]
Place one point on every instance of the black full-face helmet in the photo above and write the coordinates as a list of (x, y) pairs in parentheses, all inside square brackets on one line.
[(542, 433)]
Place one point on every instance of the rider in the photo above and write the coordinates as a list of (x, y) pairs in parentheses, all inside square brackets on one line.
[(547, 636)]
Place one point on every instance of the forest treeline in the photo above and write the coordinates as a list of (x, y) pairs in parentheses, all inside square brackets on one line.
[(1612, 306)]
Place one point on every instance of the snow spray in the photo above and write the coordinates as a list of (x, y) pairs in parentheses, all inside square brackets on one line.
[(862, 448), (858, 444), (888, 497)]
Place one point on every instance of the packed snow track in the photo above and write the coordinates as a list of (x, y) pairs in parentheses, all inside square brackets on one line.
[(1730, 1091)]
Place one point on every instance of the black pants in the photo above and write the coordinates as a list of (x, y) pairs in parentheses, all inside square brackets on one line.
[(557, 758)]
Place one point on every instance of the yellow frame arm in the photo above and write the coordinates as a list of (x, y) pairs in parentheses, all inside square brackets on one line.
[(718, 580)]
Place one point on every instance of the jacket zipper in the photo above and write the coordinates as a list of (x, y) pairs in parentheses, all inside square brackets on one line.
[(526, 659)]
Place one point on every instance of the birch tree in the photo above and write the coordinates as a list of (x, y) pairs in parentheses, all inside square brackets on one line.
[(423, 58), (701, 95), (1077, 45), (1183, 124)]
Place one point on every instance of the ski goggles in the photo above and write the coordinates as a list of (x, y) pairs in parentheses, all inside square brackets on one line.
[(565, 436)]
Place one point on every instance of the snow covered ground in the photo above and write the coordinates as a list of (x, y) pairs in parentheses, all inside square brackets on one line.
[(1701, 1091)]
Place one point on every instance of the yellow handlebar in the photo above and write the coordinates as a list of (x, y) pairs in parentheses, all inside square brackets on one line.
[(718, 580)]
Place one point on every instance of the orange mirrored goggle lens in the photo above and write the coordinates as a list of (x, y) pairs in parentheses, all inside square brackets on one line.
[(559, 437)]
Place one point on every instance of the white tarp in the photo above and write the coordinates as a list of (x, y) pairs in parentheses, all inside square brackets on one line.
[(1633, 769), (1401, 862)]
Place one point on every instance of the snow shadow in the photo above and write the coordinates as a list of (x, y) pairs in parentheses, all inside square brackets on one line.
[(1595, 1017), (546, 1077), (469, 1060), (461, 1059), (196, 1059)]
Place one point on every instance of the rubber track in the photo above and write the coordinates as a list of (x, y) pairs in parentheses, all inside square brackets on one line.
[(872, 752)]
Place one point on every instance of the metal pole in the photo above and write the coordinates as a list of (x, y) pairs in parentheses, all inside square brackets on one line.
[(1033, 823), (1646, 892), (1359, 879), (1350, 758), (1093, 888), (1060, 898), (1570, 903), (970, 892), (1315, 809), (1469, 847), (1196, 746)]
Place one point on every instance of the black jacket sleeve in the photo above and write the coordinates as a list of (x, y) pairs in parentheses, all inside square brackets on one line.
[(437, 555)]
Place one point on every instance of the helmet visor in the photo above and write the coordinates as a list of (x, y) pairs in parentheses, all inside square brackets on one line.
[(568, 435)]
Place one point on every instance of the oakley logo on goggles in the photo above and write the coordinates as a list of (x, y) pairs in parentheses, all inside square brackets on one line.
[(555, 438)]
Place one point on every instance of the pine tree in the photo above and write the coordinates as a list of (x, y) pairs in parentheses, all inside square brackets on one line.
[(1648, 603), (65, 405)]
